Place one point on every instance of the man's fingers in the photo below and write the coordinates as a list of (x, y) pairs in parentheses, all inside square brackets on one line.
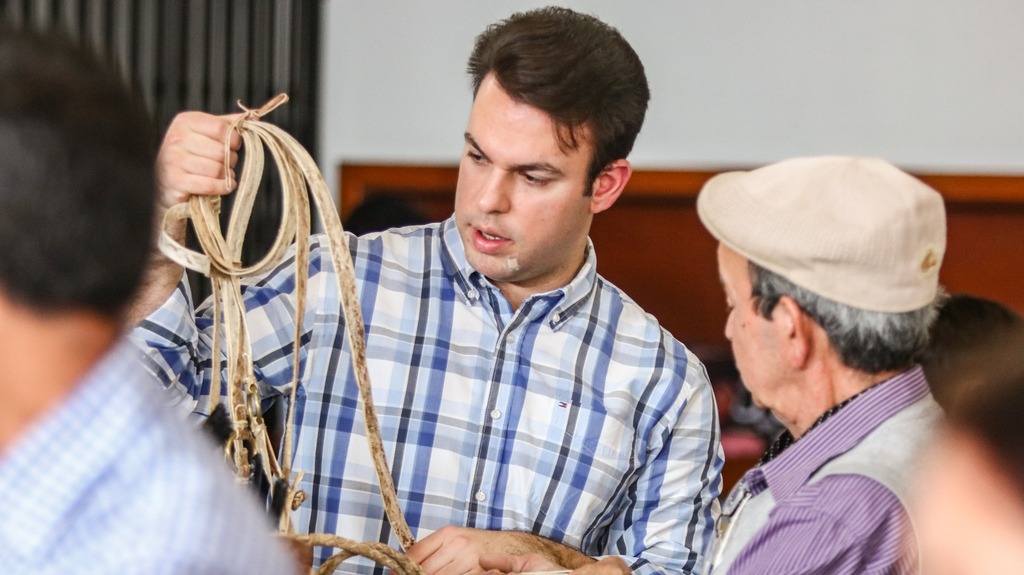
[(226, 132), (205, 180), (199, 167), (215, 127), (190, 185), (500, 562), (425, 548), (206, 147), (201, 134), (439, 564), (446, 552), (529, 563)]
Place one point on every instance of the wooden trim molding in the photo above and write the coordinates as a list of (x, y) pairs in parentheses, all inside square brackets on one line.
[(359, 179)]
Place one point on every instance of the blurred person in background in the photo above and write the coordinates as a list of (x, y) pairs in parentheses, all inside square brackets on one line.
[(967, 337)]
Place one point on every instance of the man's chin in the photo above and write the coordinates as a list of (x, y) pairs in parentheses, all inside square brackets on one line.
[(495, 268)]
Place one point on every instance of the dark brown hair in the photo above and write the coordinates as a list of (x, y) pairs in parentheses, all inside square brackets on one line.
[(574, 67), (966, 332), (989, 403), (77, 185)]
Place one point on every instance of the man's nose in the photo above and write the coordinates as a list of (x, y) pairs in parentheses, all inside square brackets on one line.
[(495, 191)]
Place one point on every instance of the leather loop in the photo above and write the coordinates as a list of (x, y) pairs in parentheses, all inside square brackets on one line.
[(221, 261)]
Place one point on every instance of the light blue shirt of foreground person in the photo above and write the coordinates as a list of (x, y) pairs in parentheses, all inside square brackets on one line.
[(111, 482), (575, 417)]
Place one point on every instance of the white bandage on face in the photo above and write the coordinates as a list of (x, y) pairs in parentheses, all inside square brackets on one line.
[(512, 264)]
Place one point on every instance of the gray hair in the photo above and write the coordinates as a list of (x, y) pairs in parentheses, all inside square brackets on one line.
[(868, 341)]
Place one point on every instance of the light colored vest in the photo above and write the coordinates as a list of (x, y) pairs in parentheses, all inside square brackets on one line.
[(886, 455)]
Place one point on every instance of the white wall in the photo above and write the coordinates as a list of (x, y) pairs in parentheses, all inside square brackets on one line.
[(933, 85)]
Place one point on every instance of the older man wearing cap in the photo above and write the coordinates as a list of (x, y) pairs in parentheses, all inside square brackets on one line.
[(830, 268)]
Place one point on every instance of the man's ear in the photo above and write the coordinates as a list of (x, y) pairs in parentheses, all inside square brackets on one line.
[(609, 185), (795, 331)]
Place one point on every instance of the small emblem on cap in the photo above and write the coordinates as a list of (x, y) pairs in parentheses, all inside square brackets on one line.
[(929, 261)]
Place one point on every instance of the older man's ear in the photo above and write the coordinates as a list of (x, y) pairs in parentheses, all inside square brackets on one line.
[(795, 331)]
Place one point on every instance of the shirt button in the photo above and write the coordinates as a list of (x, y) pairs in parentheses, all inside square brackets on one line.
[(495, 414), (471, 294), (480, 496), (555, 317), (510, 339)]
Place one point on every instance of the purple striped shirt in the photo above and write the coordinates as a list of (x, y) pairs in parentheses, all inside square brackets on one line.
[(841, 523)]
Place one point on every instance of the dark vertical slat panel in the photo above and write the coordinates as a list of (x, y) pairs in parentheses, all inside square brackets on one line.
[(121, 37), (305, 67), (146, 52), (202, 54), (263, 37), (195, 52), (283, 24), (171, 75), (96, 24), (217, 58), (15, 14), (42, 14), (71, 18), (238, 88)]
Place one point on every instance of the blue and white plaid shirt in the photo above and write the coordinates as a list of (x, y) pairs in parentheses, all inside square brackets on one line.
[(109, 481), (575, 417)]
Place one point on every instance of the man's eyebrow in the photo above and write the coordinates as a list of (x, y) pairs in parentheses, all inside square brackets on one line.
[(537, 167), (472, 142), (519, 168)]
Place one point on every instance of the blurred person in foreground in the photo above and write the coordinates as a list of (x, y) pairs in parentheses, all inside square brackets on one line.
[(969, 496), (830, 269), (95, 475)]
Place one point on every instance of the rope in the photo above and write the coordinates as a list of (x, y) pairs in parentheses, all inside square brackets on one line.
[(221, 261)]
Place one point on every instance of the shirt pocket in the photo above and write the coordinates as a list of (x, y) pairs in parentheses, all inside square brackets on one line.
[(569, 463)]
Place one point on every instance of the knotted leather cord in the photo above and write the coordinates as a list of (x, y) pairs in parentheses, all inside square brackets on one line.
[(222, 263)]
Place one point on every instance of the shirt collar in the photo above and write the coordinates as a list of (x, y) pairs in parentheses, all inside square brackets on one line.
[(786, 439), (469, 281), (838, 434)]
